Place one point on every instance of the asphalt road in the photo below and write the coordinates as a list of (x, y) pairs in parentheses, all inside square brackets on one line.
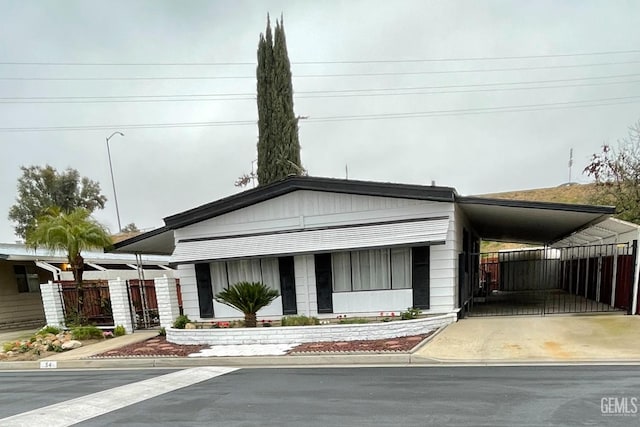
[(385, 396)]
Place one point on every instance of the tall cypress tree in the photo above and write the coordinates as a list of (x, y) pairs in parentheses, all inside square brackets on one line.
[(278, 144)]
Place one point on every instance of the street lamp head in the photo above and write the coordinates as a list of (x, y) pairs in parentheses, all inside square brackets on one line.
[(114, 133)]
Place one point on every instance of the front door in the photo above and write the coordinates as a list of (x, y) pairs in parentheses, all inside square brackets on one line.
[(324, 287)]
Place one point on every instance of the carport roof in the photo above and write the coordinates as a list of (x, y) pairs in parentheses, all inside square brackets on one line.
[(492, 219), (611, 230), (529, 222)]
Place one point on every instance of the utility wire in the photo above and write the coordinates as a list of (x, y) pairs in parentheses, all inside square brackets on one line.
[(375, 61), (390, 73), (382, 116), (315, 96), (337, 91), (510, 108)]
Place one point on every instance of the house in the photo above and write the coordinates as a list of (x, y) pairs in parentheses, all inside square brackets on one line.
[(22, 270), (344, 247)]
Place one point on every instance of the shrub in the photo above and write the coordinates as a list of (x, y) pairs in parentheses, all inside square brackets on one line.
[(8, 346), (119, 331), (352, 320), (86, 333), (162, 332), (411, 313), (299, 321), (181, 321), (49, 330), (248, 297)]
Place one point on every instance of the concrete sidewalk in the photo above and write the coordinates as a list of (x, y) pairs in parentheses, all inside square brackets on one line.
[(594, 338)]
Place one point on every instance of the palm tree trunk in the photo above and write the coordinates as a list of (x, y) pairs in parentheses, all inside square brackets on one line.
[(78, 269), (250, 320)]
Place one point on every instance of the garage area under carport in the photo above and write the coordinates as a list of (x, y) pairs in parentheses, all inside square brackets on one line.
[(581, 261)]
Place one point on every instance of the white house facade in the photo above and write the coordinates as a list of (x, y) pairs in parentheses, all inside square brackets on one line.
[(340, 247)]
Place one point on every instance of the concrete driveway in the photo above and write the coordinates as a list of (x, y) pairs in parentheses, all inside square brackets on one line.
[(553, 338)]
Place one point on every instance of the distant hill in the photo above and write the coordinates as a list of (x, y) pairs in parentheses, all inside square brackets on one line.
[(568, 193)]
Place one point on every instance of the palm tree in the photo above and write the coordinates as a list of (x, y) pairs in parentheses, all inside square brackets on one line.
[(248, 297), (71, 233)]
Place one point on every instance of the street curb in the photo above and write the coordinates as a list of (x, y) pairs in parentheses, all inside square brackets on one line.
[(361, 360)]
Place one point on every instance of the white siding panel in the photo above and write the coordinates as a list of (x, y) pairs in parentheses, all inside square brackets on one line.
[(368, 236), (189, 291), (372, 301), (312, 208)]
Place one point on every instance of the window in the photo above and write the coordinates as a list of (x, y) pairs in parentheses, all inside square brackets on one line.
[(401, 268), (26, 279), (228, 273), (376, 269), (370, 270)]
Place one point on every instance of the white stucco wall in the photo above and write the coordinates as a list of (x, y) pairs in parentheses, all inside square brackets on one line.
[(303, 334)]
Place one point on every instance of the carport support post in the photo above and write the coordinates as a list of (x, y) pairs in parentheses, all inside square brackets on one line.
[(52, 303), (633, 289), (167, 296), (120, 305)]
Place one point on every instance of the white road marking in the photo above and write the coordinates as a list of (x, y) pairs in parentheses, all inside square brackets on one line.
[(83, 408)]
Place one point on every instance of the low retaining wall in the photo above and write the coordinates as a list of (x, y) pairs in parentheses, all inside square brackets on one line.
[(304, 334)]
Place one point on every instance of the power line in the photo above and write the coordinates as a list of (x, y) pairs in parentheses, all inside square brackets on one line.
[(510, 108), (203, 98), (374, 61), (390, 73), (338, 91), (381, 116)]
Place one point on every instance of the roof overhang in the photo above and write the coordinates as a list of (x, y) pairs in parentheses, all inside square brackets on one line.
[(529, 222), (155, 242)]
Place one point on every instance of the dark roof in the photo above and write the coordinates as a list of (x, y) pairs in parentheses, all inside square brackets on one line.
[(492, 219), (294, 183)]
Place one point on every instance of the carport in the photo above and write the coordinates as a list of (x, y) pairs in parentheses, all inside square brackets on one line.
[(582, 260)]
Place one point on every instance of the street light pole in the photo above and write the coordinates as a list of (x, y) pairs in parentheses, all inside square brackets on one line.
[(113, 182)]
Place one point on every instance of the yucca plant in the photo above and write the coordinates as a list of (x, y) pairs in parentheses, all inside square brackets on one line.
[(248, 297)]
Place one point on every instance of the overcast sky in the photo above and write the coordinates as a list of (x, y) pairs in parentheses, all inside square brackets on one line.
[(164, 170)]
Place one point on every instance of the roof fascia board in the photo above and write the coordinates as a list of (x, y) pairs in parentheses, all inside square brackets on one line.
[(567, 207)]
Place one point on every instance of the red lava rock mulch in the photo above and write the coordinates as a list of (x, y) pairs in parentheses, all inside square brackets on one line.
[(391, 345), (153, 347), (160, 347)]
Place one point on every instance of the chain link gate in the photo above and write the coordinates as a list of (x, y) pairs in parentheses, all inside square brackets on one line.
[(579, 279)]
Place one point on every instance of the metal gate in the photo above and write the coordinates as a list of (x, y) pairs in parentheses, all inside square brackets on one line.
[(143, 303), (96, 303), (580, 279)]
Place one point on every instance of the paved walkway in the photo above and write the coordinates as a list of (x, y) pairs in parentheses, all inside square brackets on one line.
[(6, 336), (532, 338), (102, 346)]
